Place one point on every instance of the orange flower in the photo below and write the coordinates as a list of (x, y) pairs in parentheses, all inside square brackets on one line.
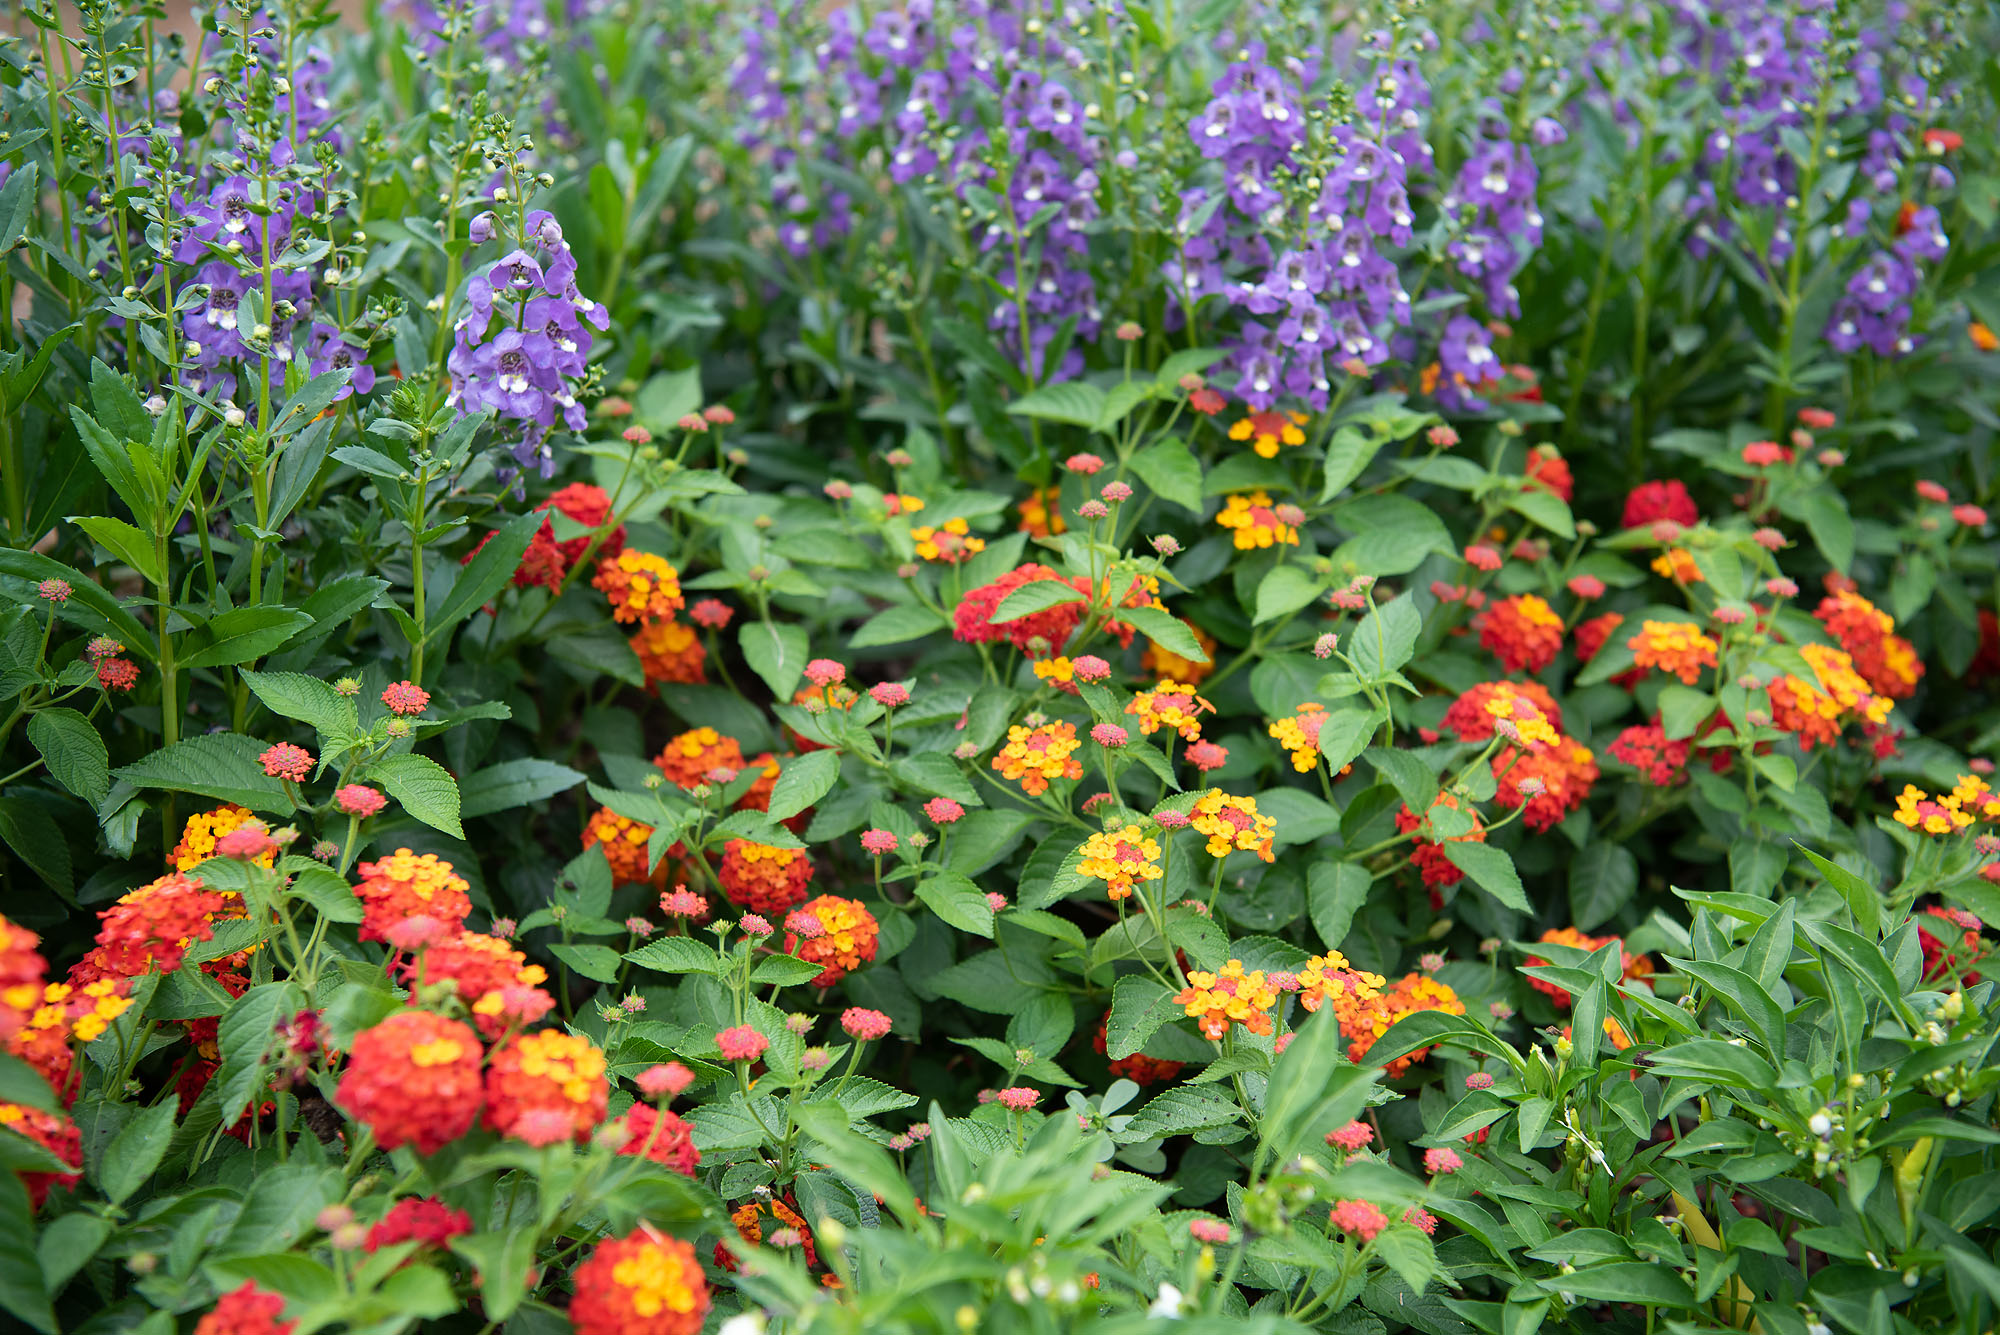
[(692, 756), (1165, 665), (1041, 513), (413, 1079), (1230, 996), (1470, 719), (1838, 679), (1233, 823), (669, 651), (1886, 660), (624, 842), (1677, 648), (246, 1310), (67, 1012), (1799, 708), (1255, 524), (1365, 1019), (1982, 338), (1172, 706), (1267, 431), (201, 833), (1678, 565), (1121, 860), (641, 586), (405, 885), (749, 1220), (848, 937), (54, 1133), (22, 972), (546, 1087), (153, 926), (764, 879), (494, 980), (1034, 755), (1523, 632), (644, 1283)]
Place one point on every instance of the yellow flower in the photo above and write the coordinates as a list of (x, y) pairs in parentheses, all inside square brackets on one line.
[(1172, 706), (1036, 754), (1121, 859), (1266, 431), (1233, 823), (1678, 565), (948, 542), (1677, 648), (1838, 679), (1299, 735), (1255, 523), (1943, 814)]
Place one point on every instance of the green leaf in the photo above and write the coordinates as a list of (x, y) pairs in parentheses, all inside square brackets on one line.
[(786, 971), (1826, 519), (23, 1084), (1073, 402), (243, 635), (1412, 779), (599, 963), (126, 543), (897, 625), (1139, 1006), (1491, 870), (1348, 455), (514, 783), (802, 781), (501, 1260), (25, 828), (485, 574), (423, 788), (1641, 1282), (247, 1034), (1037, 596), (73, 751), (675, 954), (958, 901), (1384, 639), (1392, 535), (936, 773), (1603, 877), (1313, 1090), (1166, 630), (775, 651), (326, 890), (67, 1244), (309, 700), (1179, 1111), (22, 1291), (1335, 891), (1284, 591), (1683, 710), (1862, 900), (221, 765), (1744, 996), (1546, 509), (136, 1151), (1172, 471)]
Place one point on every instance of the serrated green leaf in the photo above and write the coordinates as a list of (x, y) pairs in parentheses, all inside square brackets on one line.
[(424, 789)]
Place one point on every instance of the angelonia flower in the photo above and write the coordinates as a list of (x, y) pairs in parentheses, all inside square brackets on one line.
[(522, 347)]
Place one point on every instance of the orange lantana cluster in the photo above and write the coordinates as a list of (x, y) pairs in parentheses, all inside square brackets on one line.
[(1363, 1019), (1228, 996), (407, 885), (846, 939), (1037, 752), (763, 879)]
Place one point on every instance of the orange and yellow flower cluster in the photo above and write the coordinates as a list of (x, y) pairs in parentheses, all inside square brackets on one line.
[(1038, 752), (847, 939), (1121, 859), (1228, 996), (1677, 648), (406, 885), (763, 879), (1254, 524), (546, 1087), (644, 1283), (202, 832), (1299, 735), (642, 587), (1169, 705), (1233, 823), (1363, 1019)]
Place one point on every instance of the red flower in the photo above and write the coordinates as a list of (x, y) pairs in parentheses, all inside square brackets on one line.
[(117, 674), (589, 506), (425, 1220), (1646, 749), (1549, 471), (54, 1133), (406, 885), (1039, 634), (1523, 632), (153, 926), (1138, 1068), (664, 1137), (413, 1079), (763, 879), (1653, 501), (22, 972), (246, 1311), (406, 697), (285, 761), (1470, 720)]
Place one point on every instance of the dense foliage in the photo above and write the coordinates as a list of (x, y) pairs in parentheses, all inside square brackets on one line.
[(995, 665)]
